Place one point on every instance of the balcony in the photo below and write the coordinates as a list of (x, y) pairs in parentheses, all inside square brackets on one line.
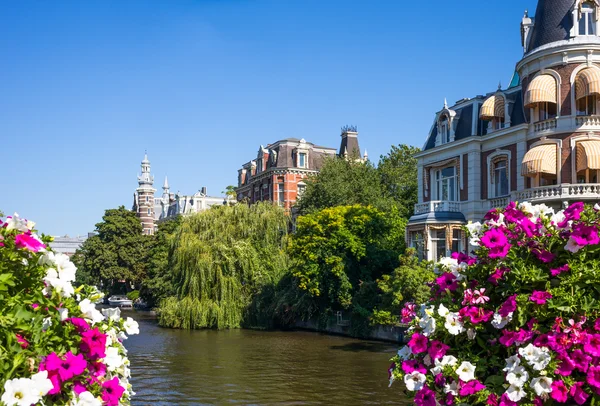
[(545, 125), (564, 192), (587, 121), (437, 206)]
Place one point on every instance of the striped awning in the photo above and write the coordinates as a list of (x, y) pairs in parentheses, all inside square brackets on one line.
[(588, 155), (492, 108), (540, 159), (542, 89), (587, 83)]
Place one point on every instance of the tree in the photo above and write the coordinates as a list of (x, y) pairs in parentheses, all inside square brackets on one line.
[(116, 253), (222, 259), (335, 250), (398, 172), (343, 182), (230, 192), (158, 283)]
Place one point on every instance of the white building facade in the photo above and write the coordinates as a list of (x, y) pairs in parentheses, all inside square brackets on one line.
[(537, 140)]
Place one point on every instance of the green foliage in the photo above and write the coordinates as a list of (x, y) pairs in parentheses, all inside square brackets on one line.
[(336, 249), (408, 283), (398, 172), (117, 252), (133, 295), (158, 283), (221, 259)]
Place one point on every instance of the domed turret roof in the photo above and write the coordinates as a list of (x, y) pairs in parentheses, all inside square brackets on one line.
[(553, 22)]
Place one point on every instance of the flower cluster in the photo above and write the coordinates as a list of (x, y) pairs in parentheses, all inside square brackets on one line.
[(517, 322), (61, 349)]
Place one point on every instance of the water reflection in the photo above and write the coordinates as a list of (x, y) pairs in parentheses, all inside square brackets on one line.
[(174, 367)]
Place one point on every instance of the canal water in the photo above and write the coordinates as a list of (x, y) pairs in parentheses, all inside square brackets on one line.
[(207, 367)]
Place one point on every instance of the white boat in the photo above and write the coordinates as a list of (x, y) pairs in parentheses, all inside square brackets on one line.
[(120, 301)]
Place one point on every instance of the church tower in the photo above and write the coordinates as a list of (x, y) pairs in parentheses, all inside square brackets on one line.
[(144, 198)]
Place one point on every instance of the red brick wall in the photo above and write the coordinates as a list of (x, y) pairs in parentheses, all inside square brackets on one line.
[(565, 72)]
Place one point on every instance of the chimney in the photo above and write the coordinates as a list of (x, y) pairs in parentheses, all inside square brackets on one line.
[(349, 143), (203, 190)]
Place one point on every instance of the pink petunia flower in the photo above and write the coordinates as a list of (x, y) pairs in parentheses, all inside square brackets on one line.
[(585, 235), (437, 349), (559, 270), (418, 343), (578, 394), (560, 393), (28, 242), (470, 388), (112, 392), (93, 342), (592, 345), (509, 306), (425, 397), (540, 297), (68, 366), (593, 376), (22, 341)]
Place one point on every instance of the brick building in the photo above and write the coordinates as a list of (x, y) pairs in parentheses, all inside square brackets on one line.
[(279, 170), (538, 140)]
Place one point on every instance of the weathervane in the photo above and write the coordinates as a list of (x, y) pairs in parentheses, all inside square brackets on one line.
[(349, 129)]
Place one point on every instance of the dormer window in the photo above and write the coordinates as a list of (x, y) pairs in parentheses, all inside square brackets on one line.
[(302, 159), (493, 112), (444, 126), (445, 130), (587, 19)]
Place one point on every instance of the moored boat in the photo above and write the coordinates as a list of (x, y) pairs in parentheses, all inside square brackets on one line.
[(120, 301)]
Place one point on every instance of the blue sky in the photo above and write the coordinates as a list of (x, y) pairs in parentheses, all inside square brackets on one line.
[(87, 86)]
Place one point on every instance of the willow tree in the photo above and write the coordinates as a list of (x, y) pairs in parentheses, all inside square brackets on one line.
[(221, 259)]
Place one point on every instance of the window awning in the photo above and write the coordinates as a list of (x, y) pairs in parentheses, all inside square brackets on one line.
[(587, 83), (492, 108), (542, 89), (588, 155), (540, 159)]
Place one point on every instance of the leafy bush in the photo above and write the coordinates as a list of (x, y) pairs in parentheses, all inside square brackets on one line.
[(56, 348), (517, 324), (133, 295)]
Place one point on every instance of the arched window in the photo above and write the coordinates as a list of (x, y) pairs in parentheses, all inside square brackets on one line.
[(541, 97), (587, 19), (587, 89), (446, 184), (492, 111), (445, 129)]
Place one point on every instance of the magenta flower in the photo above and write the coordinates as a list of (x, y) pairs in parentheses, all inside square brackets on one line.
[(509, 306), (540, 297), (425, 397), (80, 324), (437, 349), (543, 255), (418, 343), (28, 242), (508, 338), (97, 370), (592, 345), (585, 235), (581, 360), (492, 400), (573, 212), (559, 270), (79, 388), (464, 258), (112, 392), (408, 312), (560, 393), (497, 275), (597, 325), (579, 396), (22, 341), (475, 314), (470, 388), (495, 240), (447, 281), (505, 401), (411, 366), (93, 342), (67, 367), (593, 376)]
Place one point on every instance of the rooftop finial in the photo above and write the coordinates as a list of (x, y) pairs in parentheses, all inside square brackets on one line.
[(526, 13), (166, 184), (349, 129), (500, 85), (445, 103)]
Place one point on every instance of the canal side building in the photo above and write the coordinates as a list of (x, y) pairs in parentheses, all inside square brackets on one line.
[(151, 209), (537, 140), (280, 169)]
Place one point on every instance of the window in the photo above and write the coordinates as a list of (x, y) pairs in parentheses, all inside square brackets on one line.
[(302, 159), (147, 199), (260, 165), (280, 194), (546, 111), (500, 178), (587, 21), (438, 244), (445, 130), (301, 189), (149, 213), (446, 182), (456, 240), (586, 106), (497, 123), (417, 242)]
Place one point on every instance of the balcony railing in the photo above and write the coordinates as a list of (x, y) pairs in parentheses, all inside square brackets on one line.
[(587, 121), (499, 202), (437, 206), (545, 125), (580, 191)]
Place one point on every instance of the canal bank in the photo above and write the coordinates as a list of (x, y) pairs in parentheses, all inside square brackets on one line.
[(391, 334)]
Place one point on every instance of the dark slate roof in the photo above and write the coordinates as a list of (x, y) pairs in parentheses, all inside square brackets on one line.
[(437, 216), (517, 114), (464, 126), (349, 144), (552, 22)]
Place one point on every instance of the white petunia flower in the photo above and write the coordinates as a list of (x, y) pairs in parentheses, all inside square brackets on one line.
[(541, 385), (515, 393), (466, 371), (132, 327), (474, 228), (46, 323), (404, 353), (443, 311), (453, 324), (16, 223), (113, 359), (449, 360), (65, 268), (471, 333), (414, 381), (572, 246), (517, 376), (451, 388), (87, 399), (64, 314), (62, 286), (500, 322), (20, 392), (427, 324), (41, 382), (113, 314), (512, 362), (90, 312)]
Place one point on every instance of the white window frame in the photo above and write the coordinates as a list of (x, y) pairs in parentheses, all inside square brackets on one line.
[(300, 163), (437, 182), (490, 158), (433, 243)]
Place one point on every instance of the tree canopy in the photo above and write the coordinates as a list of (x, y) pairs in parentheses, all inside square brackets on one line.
[(398, 173), (116, 253)]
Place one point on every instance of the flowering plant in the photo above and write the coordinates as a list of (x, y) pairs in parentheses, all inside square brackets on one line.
[(56, 348), (518, 322)]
